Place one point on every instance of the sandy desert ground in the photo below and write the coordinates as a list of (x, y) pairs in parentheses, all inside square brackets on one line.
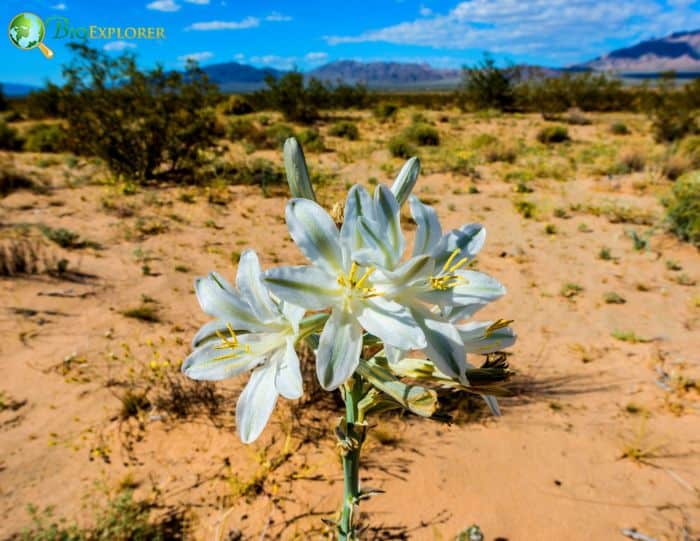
[(601, 431)]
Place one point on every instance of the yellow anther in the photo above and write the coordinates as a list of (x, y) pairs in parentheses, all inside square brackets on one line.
[(447, 281), (498, 324)]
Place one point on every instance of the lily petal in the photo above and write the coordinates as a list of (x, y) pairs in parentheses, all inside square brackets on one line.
[(249, 282), (477, 340), (315, 233), (428, 232), (477, 288), (307, 286), (208, 330), (468, 239), (387, 212), (444, 345), (339, 349), (256, 402), (357, 204), (211, 364), (288, 380), (216, 299), (391, 322)]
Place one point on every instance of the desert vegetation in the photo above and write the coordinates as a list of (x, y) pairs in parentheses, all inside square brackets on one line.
[(114, 197)]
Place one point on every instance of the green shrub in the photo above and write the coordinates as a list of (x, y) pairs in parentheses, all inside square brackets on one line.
[(312, 140), (689, 148), (239, 129), (237, 105), (345, 129), (290, 96), (141, 124), (45, 138), (122, 519), (484, 86), (9, 137), (619, 128), (401, 147), (385, 111), (553, 134), (276, 134), (683, 208), (423, 134)]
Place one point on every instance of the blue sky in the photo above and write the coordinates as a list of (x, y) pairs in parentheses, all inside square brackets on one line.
[(309, 33)]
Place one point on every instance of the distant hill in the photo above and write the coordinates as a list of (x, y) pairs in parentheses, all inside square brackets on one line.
[(679, 52), (17, 90), (235, 77), (386, 74)]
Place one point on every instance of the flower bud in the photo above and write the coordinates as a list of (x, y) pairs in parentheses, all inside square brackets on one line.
[(406, 180), (297, 174)]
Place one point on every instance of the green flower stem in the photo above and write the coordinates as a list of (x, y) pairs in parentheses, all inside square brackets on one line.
[(352, 444)]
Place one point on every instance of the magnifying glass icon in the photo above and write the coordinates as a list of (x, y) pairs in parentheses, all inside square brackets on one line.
[(27, 31)]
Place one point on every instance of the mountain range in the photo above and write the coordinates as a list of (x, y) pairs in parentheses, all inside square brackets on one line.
[(679, 52)]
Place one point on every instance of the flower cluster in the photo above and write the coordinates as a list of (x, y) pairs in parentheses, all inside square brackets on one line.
[(359, 287)]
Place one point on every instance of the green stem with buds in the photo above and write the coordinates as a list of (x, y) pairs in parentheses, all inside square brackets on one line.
[(351, 435)]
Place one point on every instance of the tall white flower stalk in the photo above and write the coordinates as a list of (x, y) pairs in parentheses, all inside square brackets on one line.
[(373, 314)]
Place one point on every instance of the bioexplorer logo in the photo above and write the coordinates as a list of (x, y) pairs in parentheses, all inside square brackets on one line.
[(27, 31)]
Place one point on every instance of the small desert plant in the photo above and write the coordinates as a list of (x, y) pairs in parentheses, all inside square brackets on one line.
[(422, 134), (570, 290), (9, 137), (575, 117), (553, 134), (311, 138), (121, 519), (401, 147), (619, 128), (237, 105), (525, 208), (345, 129), (45, 138), (385, 111), (147, 311), (683, 208), (632, 160), (613, 298), (12, 180)]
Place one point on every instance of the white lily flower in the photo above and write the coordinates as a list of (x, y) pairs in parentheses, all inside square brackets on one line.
[(252, 331), (338, 281)]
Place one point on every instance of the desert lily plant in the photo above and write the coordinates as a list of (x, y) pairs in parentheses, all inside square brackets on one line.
[(388, 329)]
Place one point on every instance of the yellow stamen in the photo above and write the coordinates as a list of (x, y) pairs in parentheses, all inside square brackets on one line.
[(459, 264), (450, 259), (498, 324), (226, 344), (447, 281), (364, 277)]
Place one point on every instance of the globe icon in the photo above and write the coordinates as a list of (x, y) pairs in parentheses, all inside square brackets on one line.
[(27, 31)]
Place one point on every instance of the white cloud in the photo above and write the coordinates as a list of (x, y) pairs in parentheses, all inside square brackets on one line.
[(248, 22), (316, 57), (163, 5), (277, 17), (274, 61), (119, 45), (239, 57), (425, 11), (554, 29), (197, 57), (200, 2), (60, 7)]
